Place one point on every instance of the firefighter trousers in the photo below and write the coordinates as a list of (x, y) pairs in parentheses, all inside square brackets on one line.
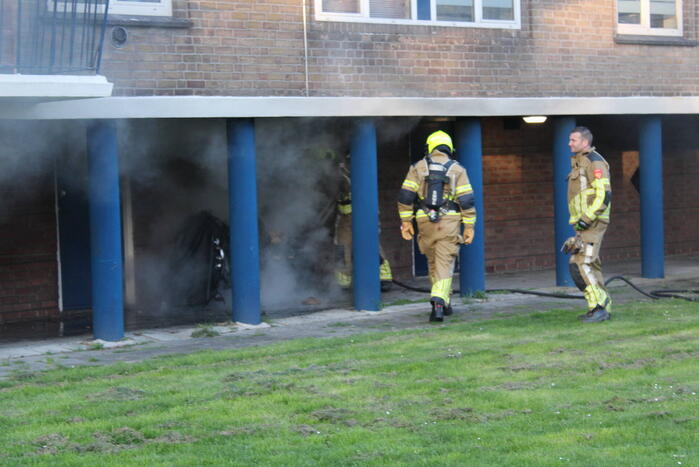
[(343, 261), (439, 242), (586, 270)]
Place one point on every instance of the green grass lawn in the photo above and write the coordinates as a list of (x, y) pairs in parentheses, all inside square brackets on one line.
[(537, 389)]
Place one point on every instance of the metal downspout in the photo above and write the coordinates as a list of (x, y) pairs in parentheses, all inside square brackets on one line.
[(305, 45)]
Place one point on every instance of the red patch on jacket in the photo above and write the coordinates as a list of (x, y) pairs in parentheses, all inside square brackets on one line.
[(597, 173)]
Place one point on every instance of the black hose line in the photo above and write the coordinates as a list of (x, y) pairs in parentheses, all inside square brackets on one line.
[(655, 294), (622, 278), (521, 291)]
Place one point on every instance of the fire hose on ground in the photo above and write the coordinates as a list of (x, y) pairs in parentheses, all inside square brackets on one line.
[(654, 294)]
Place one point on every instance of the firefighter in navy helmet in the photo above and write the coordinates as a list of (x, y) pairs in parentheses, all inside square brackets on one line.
[(437, 194), (343, 235), (589, 204)]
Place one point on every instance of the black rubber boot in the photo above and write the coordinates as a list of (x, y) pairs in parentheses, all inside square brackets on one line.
[(586, 315), (448, 310), (599, 314), (437, 310)]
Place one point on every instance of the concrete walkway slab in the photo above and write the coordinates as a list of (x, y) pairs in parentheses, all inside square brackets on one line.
[(403, 309)]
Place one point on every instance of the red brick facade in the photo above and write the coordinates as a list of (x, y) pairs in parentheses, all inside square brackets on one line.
[(518, 198), (257, 48), (245, 48), (28, 266), (518, 194)]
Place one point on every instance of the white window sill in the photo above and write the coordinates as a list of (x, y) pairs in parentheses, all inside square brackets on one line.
[(642, 39)]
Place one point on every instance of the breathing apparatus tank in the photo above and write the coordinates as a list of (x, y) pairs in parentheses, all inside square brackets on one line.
[(435, 202)]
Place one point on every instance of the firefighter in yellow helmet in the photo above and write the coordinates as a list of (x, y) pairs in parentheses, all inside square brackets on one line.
[(589, 204), (437, 194), (343, 236)]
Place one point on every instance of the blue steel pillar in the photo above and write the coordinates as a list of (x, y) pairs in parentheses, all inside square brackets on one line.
[(365, 218), (470, 153), (242, 208), (561, 168), (651, 181), (105, 232)]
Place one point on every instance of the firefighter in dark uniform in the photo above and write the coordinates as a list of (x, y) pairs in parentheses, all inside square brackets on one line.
[(436, 193), (589, 204)]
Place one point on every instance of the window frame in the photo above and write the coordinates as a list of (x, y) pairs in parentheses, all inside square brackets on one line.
[(479, 22), (644, 28), (129, 7), (121, 7)]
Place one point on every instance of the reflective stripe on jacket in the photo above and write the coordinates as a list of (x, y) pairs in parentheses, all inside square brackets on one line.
[(458, 191), (589, 188)]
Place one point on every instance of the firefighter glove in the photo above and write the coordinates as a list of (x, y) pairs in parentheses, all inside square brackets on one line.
[(406, 230), (581, 225), (571, 246), (468, 236)]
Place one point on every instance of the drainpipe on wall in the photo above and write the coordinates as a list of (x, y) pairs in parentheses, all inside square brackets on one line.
[(305, 43)]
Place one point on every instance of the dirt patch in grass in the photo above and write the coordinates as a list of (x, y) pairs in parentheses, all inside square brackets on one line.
[(659, 414), (174, 437), (306, 430), (118, 393), (456, 413), (470, 415), (334, 415), (52, 444), (680, 421), (258, 388), (394, 422), (240, 431), (123, 436), (531, 367), (512, 386), (106, 442), (634, 364)]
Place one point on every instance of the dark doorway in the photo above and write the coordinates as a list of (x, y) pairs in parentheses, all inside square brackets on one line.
[(74, 231)]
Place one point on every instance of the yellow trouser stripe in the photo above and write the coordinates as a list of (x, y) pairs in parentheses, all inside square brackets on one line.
[(468, 220), (343, 279), (442, 289), (595, 295), (385, 271), (405, 214)]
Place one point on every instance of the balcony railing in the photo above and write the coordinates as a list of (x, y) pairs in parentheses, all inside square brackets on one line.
[(52, 36)]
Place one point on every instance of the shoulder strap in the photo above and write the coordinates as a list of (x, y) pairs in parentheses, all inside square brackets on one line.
[(594, 156), (447, 165)]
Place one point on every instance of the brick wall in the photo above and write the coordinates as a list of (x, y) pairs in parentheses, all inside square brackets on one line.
[(28, 267), (518, 194), (256, 48)]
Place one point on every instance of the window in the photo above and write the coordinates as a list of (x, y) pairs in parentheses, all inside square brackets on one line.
[(141, 7), (116, 7), (649, 17), (467, 13)]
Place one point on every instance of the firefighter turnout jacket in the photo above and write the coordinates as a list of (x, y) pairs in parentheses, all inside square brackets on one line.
[(589, 204), (589, 192), (439, 240)]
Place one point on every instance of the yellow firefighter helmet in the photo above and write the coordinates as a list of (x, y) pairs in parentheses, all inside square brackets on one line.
[(439, 138)]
